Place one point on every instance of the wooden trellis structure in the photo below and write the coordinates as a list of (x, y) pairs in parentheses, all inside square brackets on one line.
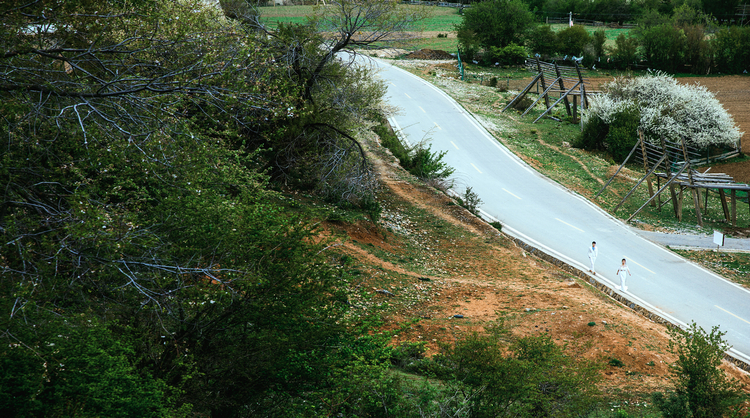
[(554, 80), (676, 161)]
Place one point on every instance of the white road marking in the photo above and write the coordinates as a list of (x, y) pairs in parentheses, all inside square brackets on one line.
[(506, 191), (420, 108), (475, 167), (574, 227), (454, 144), (634, 262), (438, 126), (741, 319), (407, 95)]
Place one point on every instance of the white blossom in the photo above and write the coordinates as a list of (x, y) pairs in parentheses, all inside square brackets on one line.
[(668, 108)]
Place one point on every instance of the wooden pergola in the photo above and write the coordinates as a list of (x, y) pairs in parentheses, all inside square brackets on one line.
[(676, 161)]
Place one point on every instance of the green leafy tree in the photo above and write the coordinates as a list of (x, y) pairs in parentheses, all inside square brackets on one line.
[(543, 41), (536, 379), (664, 46), (496, 23), (625, 52), (732, 49), (573, 40), (700, 384), (130, 200)]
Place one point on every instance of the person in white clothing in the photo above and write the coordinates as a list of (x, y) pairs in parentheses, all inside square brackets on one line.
[(623, 272), (593, 253)]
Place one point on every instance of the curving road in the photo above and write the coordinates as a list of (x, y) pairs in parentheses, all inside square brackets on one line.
[(552, 218)]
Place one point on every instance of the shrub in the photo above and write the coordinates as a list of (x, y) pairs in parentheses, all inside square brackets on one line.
[(625, 52), (732, 49), (698, 380), (667, 108), (623, 133), (426, 164), (471, 201), (493, 82), (573, 40), (664, 46), (510, 55), (496, 23), (543, 41)]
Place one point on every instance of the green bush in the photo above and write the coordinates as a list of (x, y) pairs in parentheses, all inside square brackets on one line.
[(664, 46), (595, 131), (495, 23), (426, 164), (573, 40), (510, 55), (625, 52), (543, 41), (732, 49), (623, 133), (698, 380)]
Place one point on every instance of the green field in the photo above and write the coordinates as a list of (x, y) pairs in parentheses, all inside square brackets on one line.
[(440, 19)]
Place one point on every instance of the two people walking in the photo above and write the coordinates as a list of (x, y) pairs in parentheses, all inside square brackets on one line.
[(623, 271)]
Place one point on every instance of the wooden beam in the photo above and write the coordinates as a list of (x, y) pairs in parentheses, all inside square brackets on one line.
[(543, 95), (645, 166), (618, 170), (724, 206), (541, 80), (638, 184), (734, 207), (667, 184), (562, 87), (564, 96), (696, 194), (523, 93)]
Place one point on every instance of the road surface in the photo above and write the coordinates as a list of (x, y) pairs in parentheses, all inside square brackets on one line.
[(561, 223)]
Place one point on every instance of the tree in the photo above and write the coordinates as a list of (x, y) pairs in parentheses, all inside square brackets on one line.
[(497, 23), (625, 52), (573, 40), (130, 202), (667, 109), (320, 149), (535, 379), (699, 382), (664, 46)]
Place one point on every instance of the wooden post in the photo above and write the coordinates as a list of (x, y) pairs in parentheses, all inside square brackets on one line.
[(575, 108), (658, 198), (675, 203), (724, 206), (696, 195), (562, 87), (658, 193), (734, 207), (541, 80), (645, 166)]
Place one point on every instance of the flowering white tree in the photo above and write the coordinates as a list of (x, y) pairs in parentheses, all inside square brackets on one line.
[(667, 108)]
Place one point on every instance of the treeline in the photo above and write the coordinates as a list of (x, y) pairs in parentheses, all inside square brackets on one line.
[(507, 32), (614, 11)]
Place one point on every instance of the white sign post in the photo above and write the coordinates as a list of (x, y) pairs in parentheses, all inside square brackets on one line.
[(718, 239)]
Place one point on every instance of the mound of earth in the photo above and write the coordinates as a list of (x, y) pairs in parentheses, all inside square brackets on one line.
[(429, 54)]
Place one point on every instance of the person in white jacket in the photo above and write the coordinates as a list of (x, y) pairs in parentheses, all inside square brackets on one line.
[(593, 253), (623, 272)]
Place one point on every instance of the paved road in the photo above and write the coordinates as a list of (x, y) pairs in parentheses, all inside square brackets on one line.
[(546, 215)]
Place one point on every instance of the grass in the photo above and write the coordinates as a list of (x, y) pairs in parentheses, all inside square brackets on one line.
[(440, 19)]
